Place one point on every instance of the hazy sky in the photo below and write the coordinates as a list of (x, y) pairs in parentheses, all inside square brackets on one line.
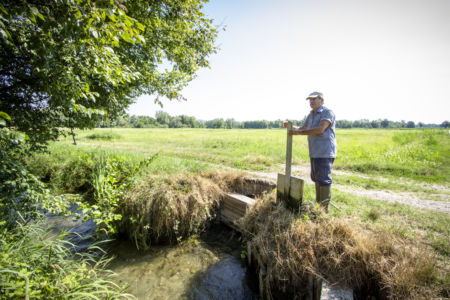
[(371, 59)]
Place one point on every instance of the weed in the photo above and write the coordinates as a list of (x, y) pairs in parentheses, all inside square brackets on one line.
[(373, 214)]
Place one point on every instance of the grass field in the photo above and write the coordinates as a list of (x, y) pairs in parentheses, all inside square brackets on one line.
[(397, 161), (422, 155)]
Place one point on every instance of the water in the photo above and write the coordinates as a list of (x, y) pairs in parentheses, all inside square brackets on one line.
[(205, 267), (208, 267)]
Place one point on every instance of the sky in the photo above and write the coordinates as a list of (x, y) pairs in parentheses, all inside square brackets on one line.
[(372, 59)]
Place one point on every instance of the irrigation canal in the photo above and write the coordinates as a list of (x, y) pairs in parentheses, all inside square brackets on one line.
[(208, 267)]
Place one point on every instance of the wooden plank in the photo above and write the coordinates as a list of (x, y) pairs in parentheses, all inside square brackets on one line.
[(233, 207), (230, 215), (287, 182), (234, 210), (240, 199), (295, 196)]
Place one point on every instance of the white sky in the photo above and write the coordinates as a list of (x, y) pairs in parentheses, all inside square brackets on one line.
[(371, 58)]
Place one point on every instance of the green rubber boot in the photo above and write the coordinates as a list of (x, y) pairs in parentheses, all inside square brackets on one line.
[(325, 196), (317, 193)]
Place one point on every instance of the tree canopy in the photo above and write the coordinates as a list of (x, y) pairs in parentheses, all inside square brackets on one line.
[(64, 63)]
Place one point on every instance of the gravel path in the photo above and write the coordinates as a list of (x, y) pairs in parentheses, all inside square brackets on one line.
[(389, 196)]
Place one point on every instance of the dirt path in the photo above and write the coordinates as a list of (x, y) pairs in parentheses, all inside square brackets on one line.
[(407, 198)]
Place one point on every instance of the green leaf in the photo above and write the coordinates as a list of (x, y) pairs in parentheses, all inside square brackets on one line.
[(3, 10), (5, 33), (141, 38), (4, 115), (126, 37), (140, 26), (34, 10), (109, 49)]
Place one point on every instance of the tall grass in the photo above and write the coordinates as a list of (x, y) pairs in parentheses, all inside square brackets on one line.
[(169, 208), (34, 264)]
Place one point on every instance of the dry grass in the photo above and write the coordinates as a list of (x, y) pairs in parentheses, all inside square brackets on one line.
[(291, 249), (163, 208)]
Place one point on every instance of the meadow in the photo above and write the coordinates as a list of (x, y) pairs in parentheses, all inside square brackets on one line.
[(420, 154), (414, 161)]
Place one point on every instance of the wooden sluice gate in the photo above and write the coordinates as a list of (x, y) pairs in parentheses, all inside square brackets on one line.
[(235, 205)]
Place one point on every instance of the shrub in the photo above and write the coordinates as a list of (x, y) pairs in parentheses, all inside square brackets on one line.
[(104, 136)]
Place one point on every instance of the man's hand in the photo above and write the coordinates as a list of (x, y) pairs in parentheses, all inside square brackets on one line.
[(295, 131)]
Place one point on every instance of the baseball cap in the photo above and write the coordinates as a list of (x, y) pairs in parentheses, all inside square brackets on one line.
[(315, 95)]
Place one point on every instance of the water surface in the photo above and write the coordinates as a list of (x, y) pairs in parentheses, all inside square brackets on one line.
[(206, 267)]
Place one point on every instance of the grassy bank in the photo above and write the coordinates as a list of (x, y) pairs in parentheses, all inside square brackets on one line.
[(419, 154), (374, 263)]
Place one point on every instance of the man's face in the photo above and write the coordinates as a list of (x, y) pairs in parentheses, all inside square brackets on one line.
[(315, 103)]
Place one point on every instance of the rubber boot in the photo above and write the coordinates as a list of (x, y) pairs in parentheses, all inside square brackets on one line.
[(317, 193), (325, 196)]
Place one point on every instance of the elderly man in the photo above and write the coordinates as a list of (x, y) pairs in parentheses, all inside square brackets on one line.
[(319, 126)]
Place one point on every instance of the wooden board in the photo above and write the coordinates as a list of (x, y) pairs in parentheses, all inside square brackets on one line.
[(287, 181), (294, 199), (234, 207)]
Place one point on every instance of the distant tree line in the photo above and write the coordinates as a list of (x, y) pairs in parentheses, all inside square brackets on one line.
[(164, 120)]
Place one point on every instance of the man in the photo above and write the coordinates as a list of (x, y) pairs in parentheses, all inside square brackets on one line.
[(319, 126)]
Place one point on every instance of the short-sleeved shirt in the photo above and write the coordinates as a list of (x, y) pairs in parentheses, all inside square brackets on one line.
[(322, 145)]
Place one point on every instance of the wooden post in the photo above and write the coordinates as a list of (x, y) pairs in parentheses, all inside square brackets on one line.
[(287, 184)]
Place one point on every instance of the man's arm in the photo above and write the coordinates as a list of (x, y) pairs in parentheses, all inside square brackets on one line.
[(313, 131), (285, 124)]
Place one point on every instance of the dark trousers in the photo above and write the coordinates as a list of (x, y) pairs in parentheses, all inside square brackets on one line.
[(321, 170)]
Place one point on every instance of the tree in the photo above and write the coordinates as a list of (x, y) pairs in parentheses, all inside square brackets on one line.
[(445, 124), (375, 124), (216, 123), (232, 123), (162, 117), (67, 63), (175, 122), (410, 124), (385, 123)]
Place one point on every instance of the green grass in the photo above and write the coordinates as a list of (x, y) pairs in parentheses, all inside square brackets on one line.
[(421, 226), (419, 154)]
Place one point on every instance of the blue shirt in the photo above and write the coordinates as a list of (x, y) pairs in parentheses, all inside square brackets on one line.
[(322, 145)]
